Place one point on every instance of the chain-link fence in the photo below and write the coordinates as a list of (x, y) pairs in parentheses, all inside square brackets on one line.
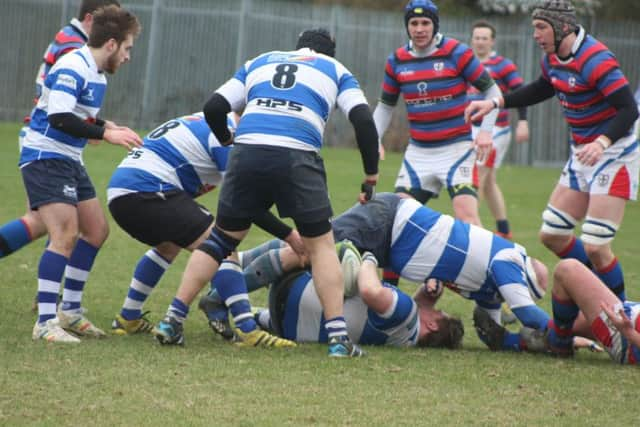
[(189, 47)]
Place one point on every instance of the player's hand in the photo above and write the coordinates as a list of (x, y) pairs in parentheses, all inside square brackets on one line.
[(476, 110), (619, 319), (582, 342), (123, 136), (295, 241), (228, 141), (368, 189), (522, 131), (108, 124), (590, 153), (483, 145)]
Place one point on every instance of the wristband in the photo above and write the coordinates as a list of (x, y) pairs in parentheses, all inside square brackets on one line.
[(496, 102), (368, 187)]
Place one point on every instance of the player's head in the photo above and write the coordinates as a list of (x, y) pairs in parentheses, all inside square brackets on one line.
[(438, 329), (537, 276), (483, 36), (560, 15), (113, 30), (319, 40), (87, 7), (421, 9)]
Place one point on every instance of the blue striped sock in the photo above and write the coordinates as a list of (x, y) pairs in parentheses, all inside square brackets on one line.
[(612, 276), (146, 276), (76, 274), (13, 235), (575, 250), (336, 327), (178, 310), (50, 273), (232, 288)]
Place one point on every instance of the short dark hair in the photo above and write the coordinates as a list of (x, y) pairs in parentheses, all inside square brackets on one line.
[(112, 22), (449, 334), (484, 24), (90, 6), (319, 40)]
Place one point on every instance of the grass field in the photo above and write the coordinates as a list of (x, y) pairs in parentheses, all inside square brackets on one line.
[(133, 381)]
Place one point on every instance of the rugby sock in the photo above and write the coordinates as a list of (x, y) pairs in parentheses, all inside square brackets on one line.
[(512, 342), (50, 273), (13, 235), (575, 250), (502, 225), (564, 313), (247, 257), (612, 276), (76, 274), (390, 277), (231, 287), (146, 276), (336, 327), (178, 310)]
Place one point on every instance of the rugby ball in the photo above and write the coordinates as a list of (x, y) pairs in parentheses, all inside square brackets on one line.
[(350, 262)]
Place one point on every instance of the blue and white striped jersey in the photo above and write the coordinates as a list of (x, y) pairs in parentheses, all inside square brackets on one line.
[(288, 96), (73, 85), (181, 154), (482, 266), (304, 320)]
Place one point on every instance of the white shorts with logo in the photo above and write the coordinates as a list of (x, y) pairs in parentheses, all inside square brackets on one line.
[(616, 174), (501, 139), (430, 169), (619, 348)]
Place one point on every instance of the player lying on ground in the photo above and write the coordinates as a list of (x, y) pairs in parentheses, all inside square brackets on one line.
[(375, 313)]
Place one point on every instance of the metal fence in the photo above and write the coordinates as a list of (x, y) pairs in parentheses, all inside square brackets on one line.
[(189, 47)]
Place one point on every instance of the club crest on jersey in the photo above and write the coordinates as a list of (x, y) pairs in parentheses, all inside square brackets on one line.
[(422, 88), (572, 82), (438, 66)]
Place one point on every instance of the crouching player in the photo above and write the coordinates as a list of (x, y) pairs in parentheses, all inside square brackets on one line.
[(582, 303), (151, 196)]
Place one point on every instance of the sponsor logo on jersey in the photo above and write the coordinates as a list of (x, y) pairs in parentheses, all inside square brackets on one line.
[(68, 81), (88, 96), (422, 88)]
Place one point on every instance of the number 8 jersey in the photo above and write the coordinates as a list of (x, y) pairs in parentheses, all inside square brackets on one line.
[(288, 96)]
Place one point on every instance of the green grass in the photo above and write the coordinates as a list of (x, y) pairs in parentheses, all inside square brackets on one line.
[(133, 381)]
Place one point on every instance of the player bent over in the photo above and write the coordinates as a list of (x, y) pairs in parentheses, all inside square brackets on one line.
[(151, 196), (287, 98)]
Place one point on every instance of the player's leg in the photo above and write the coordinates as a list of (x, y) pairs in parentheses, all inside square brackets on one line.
[(604, 215), (51, 189), (576, 290), (495, 200), (461, 181), (20, 232), (94, 230), (565, 208)]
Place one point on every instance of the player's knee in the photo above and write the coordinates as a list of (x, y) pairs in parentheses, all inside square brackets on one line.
[(563, 269), (313, 229), (556, 223), (219, 245), (597, 233)]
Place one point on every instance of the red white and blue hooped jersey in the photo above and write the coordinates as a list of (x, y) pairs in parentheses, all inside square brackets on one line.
[(288, 96), (70, 37), (181, 154), (581, 83), (482, 266), (434, 88), (505, 73), (304, 319), (73, 85)]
